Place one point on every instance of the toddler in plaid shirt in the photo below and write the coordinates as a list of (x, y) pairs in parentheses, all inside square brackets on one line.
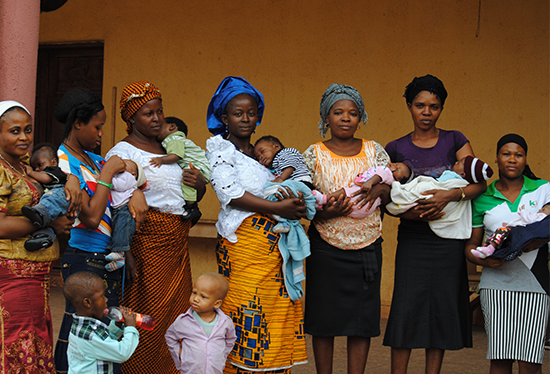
[(94, 346)]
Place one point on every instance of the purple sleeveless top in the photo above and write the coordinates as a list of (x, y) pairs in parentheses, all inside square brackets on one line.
[(430, 162)]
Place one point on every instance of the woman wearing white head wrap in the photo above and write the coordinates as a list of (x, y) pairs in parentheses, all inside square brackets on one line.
[(343, 270), (26, 327)]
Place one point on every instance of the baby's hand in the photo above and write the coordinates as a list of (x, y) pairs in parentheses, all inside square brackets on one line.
[(156, 162), (28, 169), (366, 187)]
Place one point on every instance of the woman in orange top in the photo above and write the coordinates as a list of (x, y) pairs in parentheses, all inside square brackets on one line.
[(343, 270)]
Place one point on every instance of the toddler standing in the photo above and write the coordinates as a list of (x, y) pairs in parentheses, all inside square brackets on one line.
[(200, 340), (94, 346), (173, 135)]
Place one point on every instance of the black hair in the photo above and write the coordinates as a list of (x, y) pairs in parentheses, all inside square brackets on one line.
[(77, 103), (47, 148), (79, 286), (426, 83), (178, 122), (270, 139)]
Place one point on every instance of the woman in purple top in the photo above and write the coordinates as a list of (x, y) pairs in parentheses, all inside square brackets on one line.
[(430, 307)]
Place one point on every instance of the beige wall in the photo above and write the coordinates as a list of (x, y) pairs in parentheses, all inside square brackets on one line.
[(498, 81)]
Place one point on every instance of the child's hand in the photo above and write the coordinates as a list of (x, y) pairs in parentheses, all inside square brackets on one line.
[(129, 317), (365, 187), (156, 162), (28, 169)]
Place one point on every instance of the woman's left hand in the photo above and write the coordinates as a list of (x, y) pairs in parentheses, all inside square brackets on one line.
[(370, 193), (138, 208), (533, 244), (433, 206), (74, 195), (62, 224), (193, 177)]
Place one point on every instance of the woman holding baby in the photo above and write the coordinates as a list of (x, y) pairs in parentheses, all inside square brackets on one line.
[(430, 306), (515, 292), (344, 268), (269, 324)]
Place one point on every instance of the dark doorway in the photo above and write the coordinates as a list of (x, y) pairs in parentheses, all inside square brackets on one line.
[(60, 67)]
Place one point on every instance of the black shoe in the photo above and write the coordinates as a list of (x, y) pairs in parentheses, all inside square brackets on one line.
[(191, 213), (196, 219), (34, 216), (38, 242)]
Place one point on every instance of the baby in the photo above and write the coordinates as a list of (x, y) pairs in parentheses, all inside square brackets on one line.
[(123, 226), (285, 163), (92, 344), (173, 135), (393, 172), (200, 340), (456, 223), (506, 242), (53, 203)]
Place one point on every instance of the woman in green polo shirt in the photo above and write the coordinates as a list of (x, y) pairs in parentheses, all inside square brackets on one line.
[(514, 294)]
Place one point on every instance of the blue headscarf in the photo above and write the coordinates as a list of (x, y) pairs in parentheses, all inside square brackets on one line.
[(228, 89)]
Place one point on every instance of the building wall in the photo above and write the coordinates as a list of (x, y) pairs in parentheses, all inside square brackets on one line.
[(493, 59)]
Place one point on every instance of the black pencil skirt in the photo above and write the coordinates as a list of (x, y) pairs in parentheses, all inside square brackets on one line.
[(342, 289)]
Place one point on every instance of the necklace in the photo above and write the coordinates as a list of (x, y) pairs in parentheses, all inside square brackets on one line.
[(243, 152), (87, 159), (14, 169)]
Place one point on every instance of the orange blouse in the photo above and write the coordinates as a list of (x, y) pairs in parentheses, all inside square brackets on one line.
[(331, 172)]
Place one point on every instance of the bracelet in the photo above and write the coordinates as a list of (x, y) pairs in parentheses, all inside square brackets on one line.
[(109, 185), (463, 194)]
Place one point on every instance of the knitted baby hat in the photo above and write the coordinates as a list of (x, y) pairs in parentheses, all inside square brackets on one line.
[(476, 170)]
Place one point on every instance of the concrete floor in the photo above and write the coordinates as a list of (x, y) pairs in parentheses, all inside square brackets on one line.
[(465, 361)]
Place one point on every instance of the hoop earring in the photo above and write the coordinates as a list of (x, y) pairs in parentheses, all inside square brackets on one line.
[(326, 125)]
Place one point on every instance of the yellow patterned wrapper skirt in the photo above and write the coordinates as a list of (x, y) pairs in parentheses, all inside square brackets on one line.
[(269, 326)]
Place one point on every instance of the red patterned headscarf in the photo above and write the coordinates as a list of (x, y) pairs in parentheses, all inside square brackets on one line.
[(134, 96)]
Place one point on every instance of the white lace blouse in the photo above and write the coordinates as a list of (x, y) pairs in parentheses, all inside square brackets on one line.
[(163, 191), (233, 174)]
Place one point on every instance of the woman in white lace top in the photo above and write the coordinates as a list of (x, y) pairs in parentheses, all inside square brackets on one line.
[(269, 323)]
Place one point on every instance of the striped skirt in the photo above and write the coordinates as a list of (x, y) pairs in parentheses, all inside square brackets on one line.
[(269, 326), (162, 287), (515, 323)]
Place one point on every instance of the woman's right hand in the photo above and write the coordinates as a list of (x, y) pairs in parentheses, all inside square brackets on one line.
[(62, 225), (291, 206), (138, 207), (335, 208), (113, 166), (476, 239)]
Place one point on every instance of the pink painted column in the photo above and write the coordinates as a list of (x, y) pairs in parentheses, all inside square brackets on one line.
[(19, 31)]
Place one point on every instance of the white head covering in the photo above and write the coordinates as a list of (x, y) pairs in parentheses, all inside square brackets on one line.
[(8, 104)]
